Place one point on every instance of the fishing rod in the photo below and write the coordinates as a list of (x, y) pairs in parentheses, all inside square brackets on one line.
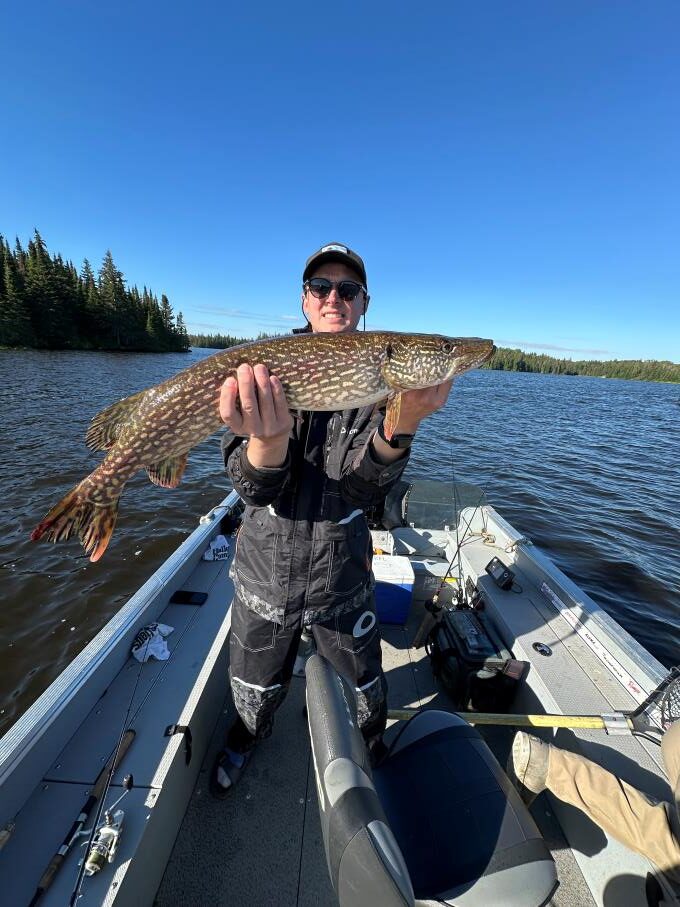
[(97, 793), (128, 719), (434, 610), (664, 701)]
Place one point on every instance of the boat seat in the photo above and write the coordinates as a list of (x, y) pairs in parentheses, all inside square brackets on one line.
[(437, 822)]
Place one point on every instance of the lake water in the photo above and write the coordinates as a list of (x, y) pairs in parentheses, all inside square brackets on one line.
[(587, 468)]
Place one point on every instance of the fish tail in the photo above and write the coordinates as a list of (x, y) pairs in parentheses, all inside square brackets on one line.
[(77, 512)]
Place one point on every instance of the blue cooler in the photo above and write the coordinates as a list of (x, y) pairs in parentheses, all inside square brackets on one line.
[(393, 587)]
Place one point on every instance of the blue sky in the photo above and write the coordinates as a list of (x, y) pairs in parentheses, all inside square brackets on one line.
[(508, 170)]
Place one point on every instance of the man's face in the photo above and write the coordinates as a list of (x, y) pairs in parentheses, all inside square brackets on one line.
[(331, 315)]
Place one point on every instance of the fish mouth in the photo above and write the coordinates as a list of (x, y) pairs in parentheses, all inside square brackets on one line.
[(471, 355)]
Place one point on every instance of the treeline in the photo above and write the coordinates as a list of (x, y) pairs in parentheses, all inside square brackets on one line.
[(633, 369), (215, 341), (46, 304), (222, 341)]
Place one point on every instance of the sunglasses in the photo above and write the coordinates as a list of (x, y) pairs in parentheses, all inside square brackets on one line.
[(348, 290)]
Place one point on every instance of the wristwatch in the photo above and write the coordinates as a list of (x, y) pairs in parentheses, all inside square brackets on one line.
[(398, 442)]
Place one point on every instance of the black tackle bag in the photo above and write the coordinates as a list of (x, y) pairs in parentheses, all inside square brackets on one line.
[(471, 662)]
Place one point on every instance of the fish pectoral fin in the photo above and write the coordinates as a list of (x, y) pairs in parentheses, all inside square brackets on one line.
[(106, 427), (168, 473), (392, 414)]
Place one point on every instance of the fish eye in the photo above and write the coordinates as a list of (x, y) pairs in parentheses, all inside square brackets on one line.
[(446, 346)]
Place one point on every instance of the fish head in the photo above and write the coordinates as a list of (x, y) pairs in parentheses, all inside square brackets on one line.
[(423, 360)]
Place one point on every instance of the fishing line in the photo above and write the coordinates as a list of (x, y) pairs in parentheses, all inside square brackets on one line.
[(432, 607), (460, 542), (456, 513)]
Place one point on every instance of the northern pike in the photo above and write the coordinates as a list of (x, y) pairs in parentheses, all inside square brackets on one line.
[(155, 428)]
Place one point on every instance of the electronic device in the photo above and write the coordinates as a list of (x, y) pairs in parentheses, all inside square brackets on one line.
[(502, 576)]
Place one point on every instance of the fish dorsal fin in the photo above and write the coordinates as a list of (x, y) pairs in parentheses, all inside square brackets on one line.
[(392, 414), (168, 473), (106, 427)]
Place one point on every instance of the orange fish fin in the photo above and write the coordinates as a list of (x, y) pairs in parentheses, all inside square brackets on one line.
[(168, 473), (94, 523), (392, 415), (105, 428)]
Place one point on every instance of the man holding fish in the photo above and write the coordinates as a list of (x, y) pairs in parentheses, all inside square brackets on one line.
[(304, 551), (303, 554)]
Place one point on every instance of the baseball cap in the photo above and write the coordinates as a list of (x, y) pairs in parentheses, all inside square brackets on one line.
[(335, 251)]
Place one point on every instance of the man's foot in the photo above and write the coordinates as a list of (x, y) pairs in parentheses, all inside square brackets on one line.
[(227, 770), (528, 765), (306, 648)]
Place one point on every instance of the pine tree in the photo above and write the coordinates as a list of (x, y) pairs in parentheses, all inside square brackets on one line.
[(182, 335), (87, 275), (15, 322), (155, 330), (42, 296), (3, 255), (20, 257), (112, 300), (166, 314)]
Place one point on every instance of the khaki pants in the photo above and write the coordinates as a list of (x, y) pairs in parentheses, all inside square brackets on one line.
[(643, 825)]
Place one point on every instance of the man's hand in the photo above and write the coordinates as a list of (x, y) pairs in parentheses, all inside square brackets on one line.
[(254, 406), (417, 404)]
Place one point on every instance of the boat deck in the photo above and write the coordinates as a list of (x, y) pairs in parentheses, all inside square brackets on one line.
[(263, 844)]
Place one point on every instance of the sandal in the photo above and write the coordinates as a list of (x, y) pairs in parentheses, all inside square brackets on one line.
[(226, 771)]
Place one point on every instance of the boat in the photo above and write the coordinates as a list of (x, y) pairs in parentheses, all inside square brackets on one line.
[(268, 843)]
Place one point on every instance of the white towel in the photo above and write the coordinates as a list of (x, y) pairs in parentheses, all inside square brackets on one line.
[(151, 641), (218, 550)]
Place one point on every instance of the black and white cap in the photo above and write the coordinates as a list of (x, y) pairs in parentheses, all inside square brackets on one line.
[(335, 251)]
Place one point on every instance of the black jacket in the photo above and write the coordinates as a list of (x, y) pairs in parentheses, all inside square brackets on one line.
[(304, 548)]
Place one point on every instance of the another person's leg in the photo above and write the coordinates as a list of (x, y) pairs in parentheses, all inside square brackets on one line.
[(670, 750), (620, 809), (261, 657), (351, 643)]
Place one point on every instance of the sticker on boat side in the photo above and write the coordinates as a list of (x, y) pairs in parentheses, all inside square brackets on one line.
[(595, 645)]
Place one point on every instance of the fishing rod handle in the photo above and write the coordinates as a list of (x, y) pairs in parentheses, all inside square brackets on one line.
[(97, 790)]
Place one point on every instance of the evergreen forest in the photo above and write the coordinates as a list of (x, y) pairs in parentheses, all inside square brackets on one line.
[(45, 303), (637, 369)]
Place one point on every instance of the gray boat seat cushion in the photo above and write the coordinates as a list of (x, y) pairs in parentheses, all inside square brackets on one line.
[(437, 822), (465, 834)]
